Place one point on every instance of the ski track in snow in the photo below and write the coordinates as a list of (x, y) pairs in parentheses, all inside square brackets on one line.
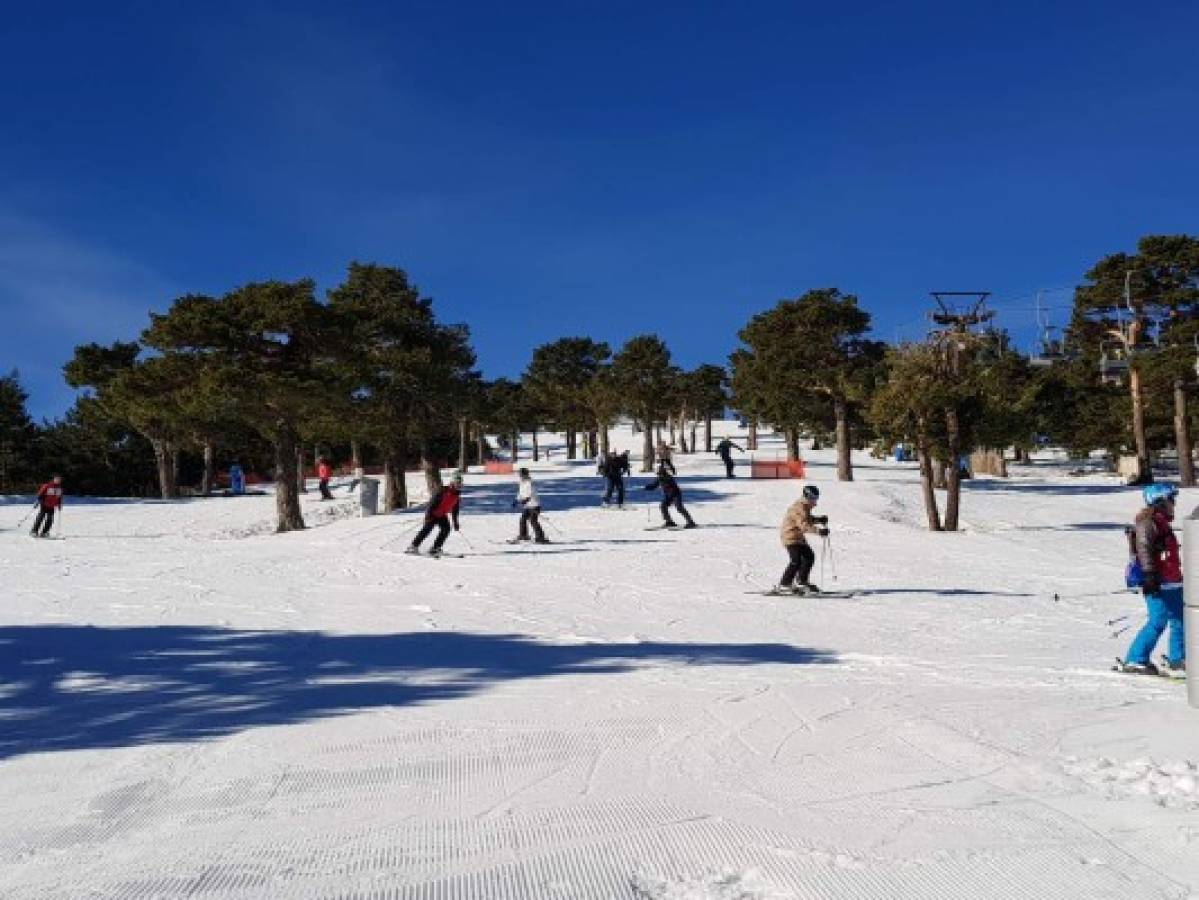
[(192, 706)]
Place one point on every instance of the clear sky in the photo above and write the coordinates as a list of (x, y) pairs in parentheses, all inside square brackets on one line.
[(550, 169)]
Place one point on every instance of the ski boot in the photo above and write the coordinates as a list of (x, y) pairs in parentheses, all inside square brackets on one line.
[(542, 541), (1173, 669), (1145, 668), (691, 525), (809, 588), (413, 550), (435, 552)]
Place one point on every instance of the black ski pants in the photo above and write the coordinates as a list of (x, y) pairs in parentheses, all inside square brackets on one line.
[(442, 523), (677, 502), (326, 494), (45, 518), (529, 517), (728, 466), (615, 484), (803, 558)]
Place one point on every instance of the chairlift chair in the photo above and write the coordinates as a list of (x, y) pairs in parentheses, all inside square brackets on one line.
[(1112, 368)]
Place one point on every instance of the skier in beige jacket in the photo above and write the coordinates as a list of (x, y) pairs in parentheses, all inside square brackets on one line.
[(797, 523)]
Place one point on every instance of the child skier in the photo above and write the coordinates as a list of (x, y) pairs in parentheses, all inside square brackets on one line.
[(616, 466), (323, 473), (672, 495), (49, 499), (725, 451), (797, 523), (527, 499), (1161, 563), (443, 506)]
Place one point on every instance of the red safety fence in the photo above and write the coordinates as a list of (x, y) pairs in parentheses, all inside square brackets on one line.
[(497, 467), (777, 468)]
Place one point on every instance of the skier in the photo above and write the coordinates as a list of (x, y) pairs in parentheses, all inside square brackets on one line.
[(443, 506), (798, 522), (1161, 564), (323, 472), (665, 457), (672, 495), (616, 466), (725, 451), (356, 479), (49, 498), (527, 499)]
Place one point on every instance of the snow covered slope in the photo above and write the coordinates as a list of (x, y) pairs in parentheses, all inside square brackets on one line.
[(192, 706)]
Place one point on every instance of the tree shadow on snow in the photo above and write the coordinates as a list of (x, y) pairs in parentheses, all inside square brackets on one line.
[(578, 492), (68, 687), (941, 592)]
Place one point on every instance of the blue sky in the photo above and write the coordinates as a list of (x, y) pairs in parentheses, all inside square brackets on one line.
[(548, 169)]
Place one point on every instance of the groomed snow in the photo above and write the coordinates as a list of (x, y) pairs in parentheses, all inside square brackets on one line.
[(193, 706)]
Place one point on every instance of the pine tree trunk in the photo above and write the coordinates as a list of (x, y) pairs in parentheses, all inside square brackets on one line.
[(516, 445), (355, 455), (480, 444), (791, 435), (208, 479), (432, 472), (670, 425), (536, 450), (953, 497), (593, 443), (938, 474), (604, 440), (298, 469), (1182, 437), (572, 437), (708, 434), (395, 488), (926, 484), (287, 480), (165, 460), (751, 439), (1144, 467), (844, 446), (657, 429), (695, 435), (462, 462), (647, 448)]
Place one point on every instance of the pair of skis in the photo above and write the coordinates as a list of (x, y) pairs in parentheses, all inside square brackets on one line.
[(831, 595), (1161, 671)]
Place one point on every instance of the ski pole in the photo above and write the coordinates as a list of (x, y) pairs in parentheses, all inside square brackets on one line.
[(553, 526), (26, 516), (832, 557), (468, 543)]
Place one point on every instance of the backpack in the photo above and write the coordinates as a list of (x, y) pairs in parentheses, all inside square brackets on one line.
[(1133, 576)]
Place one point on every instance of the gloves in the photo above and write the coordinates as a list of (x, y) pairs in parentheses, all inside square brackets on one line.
[(1152, 583), (822, 531), (820, 520)]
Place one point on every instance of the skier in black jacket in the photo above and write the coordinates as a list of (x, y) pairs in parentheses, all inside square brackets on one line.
[(672, 495), (616, 466)]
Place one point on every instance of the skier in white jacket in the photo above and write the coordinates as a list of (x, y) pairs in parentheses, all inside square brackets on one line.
[(530, 503)]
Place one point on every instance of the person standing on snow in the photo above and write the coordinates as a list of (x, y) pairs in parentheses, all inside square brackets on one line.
[(798, 522), (616, 466), (725, 451), (49, 499), (1161, 564), (530, 503), (672, 495), (443, 506), (323, 473)]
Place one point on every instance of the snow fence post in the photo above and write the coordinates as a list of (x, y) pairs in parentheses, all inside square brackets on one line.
[(1190, 614), (368, 497)]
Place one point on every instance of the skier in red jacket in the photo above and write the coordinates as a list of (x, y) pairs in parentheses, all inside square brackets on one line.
[(323, 473), (49, 498), (443, 506)]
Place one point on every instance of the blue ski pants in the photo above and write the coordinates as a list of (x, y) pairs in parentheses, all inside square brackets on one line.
[(1165, 609)]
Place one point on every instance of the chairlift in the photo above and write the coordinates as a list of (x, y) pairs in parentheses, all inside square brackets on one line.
[(1113, 365)]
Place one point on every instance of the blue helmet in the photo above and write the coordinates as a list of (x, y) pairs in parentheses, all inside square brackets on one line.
[(1159, 493)]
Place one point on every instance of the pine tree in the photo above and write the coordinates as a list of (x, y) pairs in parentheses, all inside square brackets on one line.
[(643, 372)]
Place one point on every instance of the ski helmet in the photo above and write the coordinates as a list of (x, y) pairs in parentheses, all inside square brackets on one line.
[(811, 493), (523, 473), (1159, 493)]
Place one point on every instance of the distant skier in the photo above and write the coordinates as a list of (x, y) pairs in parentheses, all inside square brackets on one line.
[(672, 495), (530, 503), (49, 499), (356, 479), (323, 473), (725, 451), (797, 523), (616, 467), (666, 457), (1161, 564), (443, 507)]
